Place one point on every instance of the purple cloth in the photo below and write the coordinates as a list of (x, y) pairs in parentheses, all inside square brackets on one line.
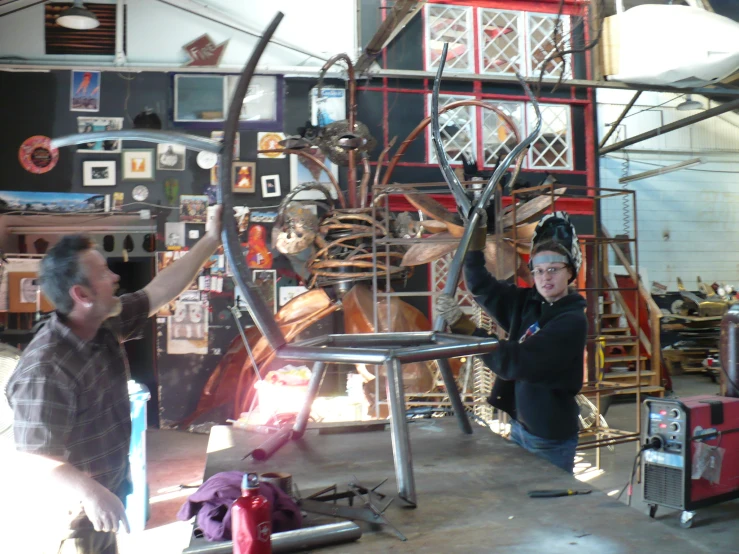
[(212, 505)]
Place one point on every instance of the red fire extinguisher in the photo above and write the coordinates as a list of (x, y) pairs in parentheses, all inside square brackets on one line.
[(251, 520)]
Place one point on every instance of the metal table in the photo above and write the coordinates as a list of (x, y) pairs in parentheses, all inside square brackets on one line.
[(472, 493)]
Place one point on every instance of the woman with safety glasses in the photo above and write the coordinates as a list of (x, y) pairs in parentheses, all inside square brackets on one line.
[(539, 368)]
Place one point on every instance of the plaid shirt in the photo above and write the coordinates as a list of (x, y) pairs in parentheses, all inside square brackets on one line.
[(70, 396)]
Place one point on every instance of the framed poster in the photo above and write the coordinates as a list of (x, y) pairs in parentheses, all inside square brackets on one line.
[(331, 106), (303, 170), (98, 173), (85, 91), (271, 186), (95, 124), (138, 165)]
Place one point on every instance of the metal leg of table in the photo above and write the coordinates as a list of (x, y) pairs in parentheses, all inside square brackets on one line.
[(399, 433), (454, 398), (319, 368)]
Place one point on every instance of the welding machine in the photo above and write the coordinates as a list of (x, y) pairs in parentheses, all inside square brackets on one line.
[(683, 462)]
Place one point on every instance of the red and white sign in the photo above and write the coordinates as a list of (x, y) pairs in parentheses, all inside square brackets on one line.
[(204, 51), (36, 154)]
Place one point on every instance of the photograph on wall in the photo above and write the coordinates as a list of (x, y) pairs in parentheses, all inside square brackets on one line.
[(215, 174), (193, 208), (266, 281), (98, 173), (174, 235), (218, 135), (85, 91), (303, 170), (331, 106), (95, 124), (171, 157), (118, 201), (243, 175), (187, 329), (52, 202), (138, 165), (270, 141), (271, 186)]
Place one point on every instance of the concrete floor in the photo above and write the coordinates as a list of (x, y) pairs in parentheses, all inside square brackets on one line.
[(178, 458)]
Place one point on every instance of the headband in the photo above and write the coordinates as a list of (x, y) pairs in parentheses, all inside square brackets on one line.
[(549, 258)]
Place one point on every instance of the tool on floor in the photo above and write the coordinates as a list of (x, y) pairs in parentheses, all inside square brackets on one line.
[(557, 492), (325, 502)]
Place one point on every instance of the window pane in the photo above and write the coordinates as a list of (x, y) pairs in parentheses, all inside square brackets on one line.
[(260, 102), (500, 42), (498, 138), (452, 24), (458, 130), (540, 36), (198, 97), (553, 148)]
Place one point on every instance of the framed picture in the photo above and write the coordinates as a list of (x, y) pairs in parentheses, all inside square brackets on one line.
[(138, 165), (270, 141), (98, 173), (23, 289), (85, 91), (271, 186), (266, 281), (193, 208), (94, 124), (171, 157), (243, 176), (303, 170)]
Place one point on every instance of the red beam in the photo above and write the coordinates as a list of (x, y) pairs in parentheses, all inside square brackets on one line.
[(573, 206)]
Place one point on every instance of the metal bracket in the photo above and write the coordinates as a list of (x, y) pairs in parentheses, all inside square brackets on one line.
[(371, 511)]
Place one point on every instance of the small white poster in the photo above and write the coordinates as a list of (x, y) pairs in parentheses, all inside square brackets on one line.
[(329, 108)]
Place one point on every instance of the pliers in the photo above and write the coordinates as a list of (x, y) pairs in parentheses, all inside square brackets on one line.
[(557, 492)]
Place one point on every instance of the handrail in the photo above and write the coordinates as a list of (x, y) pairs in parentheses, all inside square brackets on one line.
[(655, 314)]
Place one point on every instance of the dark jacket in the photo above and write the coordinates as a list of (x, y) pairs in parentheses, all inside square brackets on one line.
[(540, 370)]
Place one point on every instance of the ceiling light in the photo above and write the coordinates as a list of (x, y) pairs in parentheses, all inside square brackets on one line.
[(689, 105), (77, 17)]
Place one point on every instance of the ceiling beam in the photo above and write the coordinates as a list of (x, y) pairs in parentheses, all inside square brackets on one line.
[(400, 14), (620, 118), (707, 114), (659, 171)]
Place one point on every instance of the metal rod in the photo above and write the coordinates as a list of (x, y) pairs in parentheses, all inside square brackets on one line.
[(660, 171), (437, 351), (272, 444), (192, 142), (451, 387), (260, 313), (383, 339), (319, 369), (399, 433), (334, 355), (718, 110), (620, 118), (293, 541), (236, 313)]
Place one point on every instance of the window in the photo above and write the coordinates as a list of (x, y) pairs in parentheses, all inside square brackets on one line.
[(551, 150), (505, 41), (203, 100), (452, 24), (458, 130)]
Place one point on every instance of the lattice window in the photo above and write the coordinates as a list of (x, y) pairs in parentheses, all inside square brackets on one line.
[(540, 44), (458, 130), (553, 148), (498, 140), (501, 41), (451, 24)]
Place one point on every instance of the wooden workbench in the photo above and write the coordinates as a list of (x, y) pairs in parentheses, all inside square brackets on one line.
[(471, 493)]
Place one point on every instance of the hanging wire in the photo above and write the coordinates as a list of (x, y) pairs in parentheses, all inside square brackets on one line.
[(625, 170)]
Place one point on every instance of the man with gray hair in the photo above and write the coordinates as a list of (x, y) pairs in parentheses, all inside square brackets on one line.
[(69, 391)]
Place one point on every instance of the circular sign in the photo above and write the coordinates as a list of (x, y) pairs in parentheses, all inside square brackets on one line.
[(140, 193), (36, 154), (207, 160), (271, 141)]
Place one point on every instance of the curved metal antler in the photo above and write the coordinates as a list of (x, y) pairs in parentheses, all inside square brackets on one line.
[(455, 268), (262, 316)]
